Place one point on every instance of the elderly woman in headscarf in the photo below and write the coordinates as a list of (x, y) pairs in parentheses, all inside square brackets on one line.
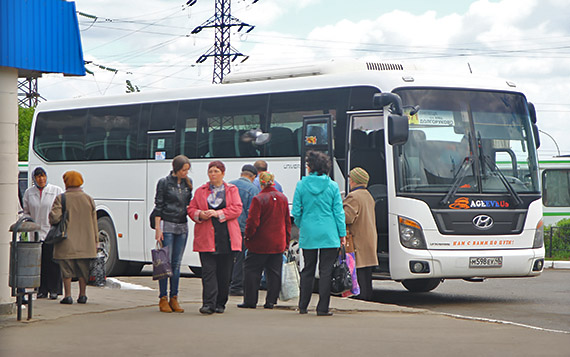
[(267, 234), (361, 223), (37, 202), (75, 252), (215, 209)]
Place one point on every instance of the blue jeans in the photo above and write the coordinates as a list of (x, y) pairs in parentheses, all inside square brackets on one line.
[(177, 244)]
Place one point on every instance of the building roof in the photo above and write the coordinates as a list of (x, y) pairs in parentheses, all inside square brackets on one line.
[(40, 36)]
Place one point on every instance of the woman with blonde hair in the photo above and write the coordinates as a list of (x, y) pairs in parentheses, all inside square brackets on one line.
[(75, 253)]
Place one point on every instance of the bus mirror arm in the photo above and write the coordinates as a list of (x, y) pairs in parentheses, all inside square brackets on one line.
[(381, 100)]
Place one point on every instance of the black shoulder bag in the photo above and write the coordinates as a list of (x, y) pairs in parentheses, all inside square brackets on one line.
[(58, 231)]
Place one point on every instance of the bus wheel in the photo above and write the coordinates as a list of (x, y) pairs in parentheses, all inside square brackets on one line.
[(196, 270), (421, 285), (108, 244)]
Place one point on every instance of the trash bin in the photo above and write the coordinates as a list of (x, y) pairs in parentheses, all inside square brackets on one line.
[(25, 263)]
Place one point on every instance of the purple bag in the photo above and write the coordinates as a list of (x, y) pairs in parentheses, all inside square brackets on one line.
[(161, 268)]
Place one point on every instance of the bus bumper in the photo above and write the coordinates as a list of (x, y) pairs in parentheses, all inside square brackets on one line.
[(462, 264)]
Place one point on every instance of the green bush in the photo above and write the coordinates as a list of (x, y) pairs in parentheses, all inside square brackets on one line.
[(560, 240), (25, 116)]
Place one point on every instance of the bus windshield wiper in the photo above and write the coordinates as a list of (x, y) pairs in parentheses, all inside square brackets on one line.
[(493, 167), (459, 176)]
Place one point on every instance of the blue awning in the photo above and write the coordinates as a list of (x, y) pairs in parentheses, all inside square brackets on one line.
[(40, 36)]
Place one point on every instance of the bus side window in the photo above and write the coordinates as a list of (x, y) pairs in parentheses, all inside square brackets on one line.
[(223, 120), (112, 133), (187, 124), (161, 133), (283, 142), (59, 135), (556, 188)]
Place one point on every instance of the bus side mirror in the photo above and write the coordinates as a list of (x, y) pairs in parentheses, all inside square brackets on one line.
[(532, 113), (536, 137), (398, 129)]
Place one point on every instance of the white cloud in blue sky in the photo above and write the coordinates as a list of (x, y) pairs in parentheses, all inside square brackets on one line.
[(526, 41)]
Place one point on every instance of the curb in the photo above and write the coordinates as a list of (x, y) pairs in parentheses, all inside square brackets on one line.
[(555, 264)]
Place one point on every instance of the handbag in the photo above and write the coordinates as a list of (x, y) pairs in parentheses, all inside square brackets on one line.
[(152, 218), (341, 279), (290, 279), (161, 268), (97, 270), (58, 231)]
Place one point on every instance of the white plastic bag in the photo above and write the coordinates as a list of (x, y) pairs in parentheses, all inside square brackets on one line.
[(290, 280)]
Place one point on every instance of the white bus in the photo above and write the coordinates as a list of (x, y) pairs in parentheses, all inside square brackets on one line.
[(555, 175), (443, 208)]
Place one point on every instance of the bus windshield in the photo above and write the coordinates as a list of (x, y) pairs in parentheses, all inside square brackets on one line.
[(468, 142)]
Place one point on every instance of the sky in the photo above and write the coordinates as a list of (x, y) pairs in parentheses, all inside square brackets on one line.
[(149, 42)]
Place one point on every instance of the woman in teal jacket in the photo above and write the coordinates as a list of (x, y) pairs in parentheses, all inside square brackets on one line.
[(318, 212)]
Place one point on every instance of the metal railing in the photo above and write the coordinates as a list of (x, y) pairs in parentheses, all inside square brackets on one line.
[(557, 242)]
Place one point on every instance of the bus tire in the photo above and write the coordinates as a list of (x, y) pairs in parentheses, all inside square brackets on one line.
[(421, 285), (196, 270), (134, 268), (108, 242)]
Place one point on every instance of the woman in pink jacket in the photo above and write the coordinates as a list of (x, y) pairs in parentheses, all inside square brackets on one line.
[(215, 208)]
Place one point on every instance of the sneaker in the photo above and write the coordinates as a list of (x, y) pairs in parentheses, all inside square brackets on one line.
[(42, 295), (53, 296), (206, 310), (219, 310), (66, 300)]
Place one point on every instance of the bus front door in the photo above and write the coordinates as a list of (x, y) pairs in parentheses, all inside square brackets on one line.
[(367, 149)]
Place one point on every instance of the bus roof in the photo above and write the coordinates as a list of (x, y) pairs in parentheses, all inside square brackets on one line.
[(385, 79)]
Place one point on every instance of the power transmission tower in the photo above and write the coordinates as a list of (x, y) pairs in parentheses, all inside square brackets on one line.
[(28, 96), (222, 51)]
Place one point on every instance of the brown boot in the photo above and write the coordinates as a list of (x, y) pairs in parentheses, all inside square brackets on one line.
[(174, 304), (163, 305)]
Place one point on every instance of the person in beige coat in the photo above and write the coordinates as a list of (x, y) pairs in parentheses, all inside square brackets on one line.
[(74, 253), (361, 223)]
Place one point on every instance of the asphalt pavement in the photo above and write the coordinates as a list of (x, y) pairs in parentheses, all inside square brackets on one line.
[(122, 319)]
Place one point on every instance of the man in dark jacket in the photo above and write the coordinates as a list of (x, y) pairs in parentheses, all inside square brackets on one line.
[(246, 192), (267, 234)]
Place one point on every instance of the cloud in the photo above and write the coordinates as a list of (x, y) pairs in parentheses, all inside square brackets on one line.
[(525, 41)]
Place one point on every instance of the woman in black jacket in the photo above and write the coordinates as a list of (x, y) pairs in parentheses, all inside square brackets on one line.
[(173, 194)]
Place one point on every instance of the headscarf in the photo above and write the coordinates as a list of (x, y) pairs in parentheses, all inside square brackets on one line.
[(266, 178), (72, 179), (38, 171)]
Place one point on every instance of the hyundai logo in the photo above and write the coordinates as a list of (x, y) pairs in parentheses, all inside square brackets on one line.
[(483, 222)]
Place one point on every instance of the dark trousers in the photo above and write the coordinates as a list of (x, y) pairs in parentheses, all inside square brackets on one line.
[(327, 257), (252, 268), (364, 276), (50, 276), (237, 274), (216, 275)]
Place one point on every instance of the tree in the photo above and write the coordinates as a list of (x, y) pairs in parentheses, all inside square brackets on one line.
[(25, 116)]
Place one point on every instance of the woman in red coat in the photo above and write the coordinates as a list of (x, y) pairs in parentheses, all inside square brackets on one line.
[(215, 208), (267, 234)]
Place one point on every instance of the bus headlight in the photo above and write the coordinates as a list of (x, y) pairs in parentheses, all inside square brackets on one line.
[(411, 234), (539, 235)]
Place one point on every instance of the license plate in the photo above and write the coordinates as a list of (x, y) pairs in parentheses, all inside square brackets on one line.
[(485, 262)]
